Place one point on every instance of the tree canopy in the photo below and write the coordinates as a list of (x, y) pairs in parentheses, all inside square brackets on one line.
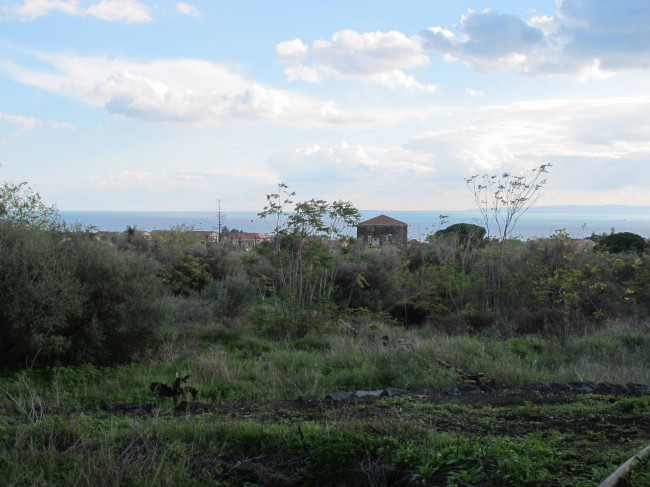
[(20, 204), (623, 242)]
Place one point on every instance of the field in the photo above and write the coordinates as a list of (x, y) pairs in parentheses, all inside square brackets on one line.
[(268, 412)]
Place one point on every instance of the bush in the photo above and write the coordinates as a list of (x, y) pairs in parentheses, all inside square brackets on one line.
[(69, 299), (122, 302), (39, 294), (223, 259), (229, 296), (411, 312)]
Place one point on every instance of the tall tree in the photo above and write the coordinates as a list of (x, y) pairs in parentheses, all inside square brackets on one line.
[(304, 264), (502, 200)]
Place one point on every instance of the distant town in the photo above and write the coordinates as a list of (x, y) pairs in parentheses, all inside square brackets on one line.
[(376, 231)]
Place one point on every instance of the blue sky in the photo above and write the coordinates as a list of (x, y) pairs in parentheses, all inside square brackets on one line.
[(138, 105)]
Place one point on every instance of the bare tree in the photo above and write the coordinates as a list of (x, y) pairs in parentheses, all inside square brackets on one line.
[(502, 200)]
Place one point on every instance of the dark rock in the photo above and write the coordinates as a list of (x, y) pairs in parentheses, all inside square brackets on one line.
[(393, 391), (637, 389), (422, 391), (583, 387), (368, 393), (539, 386), (560, 386), (339, 396), (451, 391), (610, 388)]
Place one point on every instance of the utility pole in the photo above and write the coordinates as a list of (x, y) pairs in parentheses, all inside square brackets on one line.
[(220, 216)]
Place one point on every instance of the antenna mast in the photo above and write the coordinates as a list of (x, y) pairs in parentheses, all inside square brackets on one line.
[(220, 216)]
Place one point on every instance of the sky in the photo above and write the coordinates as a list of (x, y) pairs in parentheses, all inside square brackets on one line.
[(164, 105)]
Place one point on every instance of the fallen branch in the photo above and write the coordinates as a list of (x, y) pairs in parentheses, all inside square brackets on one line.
[(623, 470)]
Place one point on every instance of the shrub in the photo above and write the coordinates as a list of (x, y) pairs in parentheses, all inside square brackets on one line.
[(411, 312), (223, 259), (122, 302), (68, 299), (229, 296), (39, 294)]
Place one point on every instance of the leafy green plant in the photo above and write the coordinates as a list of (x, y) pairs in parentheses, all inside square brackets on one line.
[(72, 299), (229, 296)]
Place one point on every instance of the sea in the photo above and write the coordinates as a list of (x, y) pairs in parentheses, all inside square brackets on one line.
[(537, 222)]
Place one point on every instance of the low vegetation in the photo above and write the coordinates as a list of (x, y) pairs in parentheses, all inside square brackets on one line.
[(266, 334), (267, 422)]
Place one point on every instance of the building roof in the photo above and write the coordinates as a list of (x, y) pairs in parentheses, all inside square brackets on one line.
[(245, 236), (383, 220)]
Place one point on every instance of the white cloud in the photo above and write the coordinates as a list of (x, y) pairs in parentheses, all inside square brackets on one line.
[(291, 52), (370, 176), (380, 169), (188, 9), (121, 10), (26, 123), (185, 91), (489, 41), (586, 40), (376, 57), (29, 123), (597, 146), (158, 190), (131, 11), (30, 9), (472, 92)]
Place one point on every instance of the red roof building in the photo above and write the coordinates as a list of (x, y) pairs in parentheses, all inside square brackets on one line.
[(246, 239), (382, 230)]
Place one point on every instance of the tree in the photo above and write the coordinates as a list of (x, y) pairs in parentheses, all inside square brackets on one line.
[(502, 200), (303, 265), (622, 242), (276, 212), (20, 204), (184, 272), (467, 233)]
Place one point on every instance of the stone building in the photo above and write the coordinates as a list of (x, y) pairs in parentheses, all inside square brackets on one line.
[(246, 240), (381, 230)]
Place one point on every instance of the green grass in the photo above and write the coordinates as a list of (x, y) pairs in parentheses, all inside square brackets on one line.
[(226, 371), (427, 442), (57, 431)]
